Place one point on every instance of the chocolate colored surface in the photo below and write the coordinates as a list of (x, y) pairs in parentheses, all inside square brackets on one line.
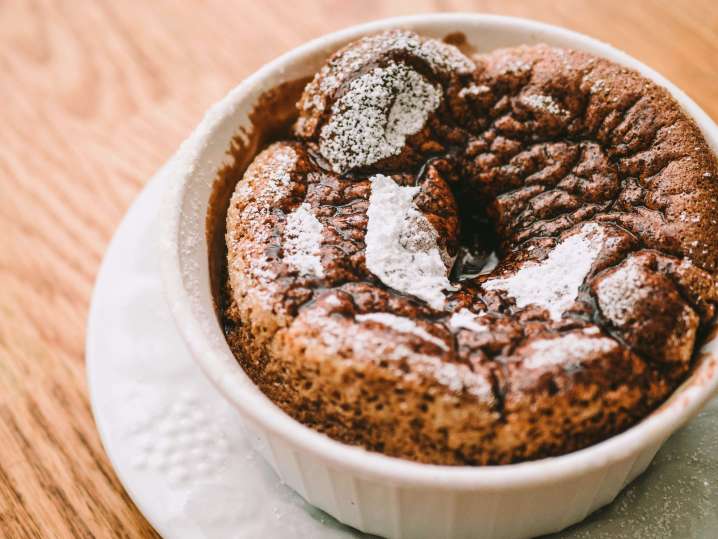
[(523, 150)]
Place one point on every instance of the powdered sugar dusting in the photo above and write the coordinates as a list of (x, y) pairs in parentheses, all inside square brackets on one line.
[(567, 349), (473, 90), (275, 176), (554, 282), (458, 377), (441, 57), (465, 319), (490, 265), (402, 325), (285, 159), (373, 118), (542, 102), (598, 86), (265, 184), (302, 239), (401, 244), (618, 293)]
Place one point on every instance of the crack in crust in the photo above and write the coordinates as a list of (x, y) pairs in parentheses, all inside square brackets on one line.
[(540, 140)]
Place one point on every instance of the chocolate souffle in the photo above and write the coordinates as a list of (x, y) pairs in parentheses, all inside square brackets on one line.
[(461, 258)]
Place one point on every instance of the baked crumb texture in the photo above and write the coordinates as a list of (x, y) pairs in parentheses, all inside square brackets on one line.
[(600, 195)]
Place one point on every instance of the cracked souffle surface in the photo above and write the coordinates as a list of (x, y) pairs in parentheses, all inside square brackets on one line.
[(473, 259)]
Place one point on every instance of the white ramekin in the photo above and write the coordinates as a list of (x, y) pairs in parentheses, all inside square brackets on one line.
[(370, 491)]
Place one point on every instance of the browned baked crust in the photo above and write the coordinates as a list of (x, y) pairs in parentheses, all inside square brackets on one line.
[(557, 149)]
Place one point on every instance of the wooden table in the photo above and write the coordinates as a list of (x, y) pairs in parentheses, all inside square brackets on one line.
[(95, 96)]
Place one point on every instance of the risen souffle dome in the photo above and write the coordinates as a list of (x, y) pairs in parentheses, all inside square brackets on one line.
[(473, 259)]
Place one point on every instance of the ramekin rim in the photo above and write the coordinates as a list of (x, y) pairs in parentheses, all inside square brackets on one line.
[(256, 407)]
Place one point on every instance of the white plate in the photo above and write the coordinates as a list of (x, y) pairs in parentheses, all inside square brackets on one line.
[(176, 444), (179, 449)]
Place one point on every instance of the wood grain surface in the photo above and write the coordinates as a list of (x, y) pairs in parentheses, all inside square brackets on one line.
[(95, 96)]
